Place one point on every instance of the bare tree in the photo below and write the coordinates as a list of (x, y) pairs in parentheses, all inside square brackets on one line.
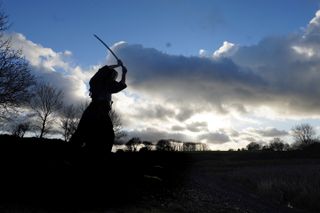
[(278, 145), (203, 147), (164, 145), (15, 76), (147, 146), (46, 101), (117, 125), (304, 134), (69, 120), (253, 146), (20, 129), (189, 147), (176, 145), (133, 144)]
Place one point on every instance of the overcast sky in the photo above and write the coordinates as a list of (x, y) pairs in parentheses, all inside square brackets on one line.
[(222, 72)]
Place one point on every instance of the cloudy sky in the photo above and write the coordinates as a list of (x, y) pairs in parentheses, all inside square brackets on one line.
[(222, 72)]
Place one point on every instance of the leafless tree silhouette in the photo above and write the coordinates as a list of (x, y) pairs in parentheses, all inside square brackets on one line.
[(253, 146), (304, 134), (21, 128), (15, 76), (277, 144), (164, 145), (117, 125), (46, 101), (69, 120), (133, 144), (147, 146)]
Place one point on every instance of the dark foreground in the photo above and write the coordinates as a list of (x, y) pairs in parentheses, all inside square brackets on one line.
[(48, 176)]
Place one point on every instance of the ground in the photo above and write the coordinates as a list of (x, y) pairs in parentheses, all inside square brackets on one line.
[(46, 177)]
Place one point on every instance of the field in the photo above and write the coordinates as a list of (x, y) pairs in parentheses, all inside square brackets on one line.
[(47, 176)]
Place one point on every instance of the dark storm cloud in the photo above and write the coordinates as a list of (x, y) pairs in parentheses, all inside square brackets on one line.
[(197, 126), (292, 75), (193, 82), (192, 127), (215, 137), (152, 134), (156, 111), (282, 73), (271, 132), (185, 113)]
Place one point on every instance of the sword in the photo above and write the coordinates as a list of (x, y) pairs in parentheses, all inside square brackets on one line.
[(104, 44)]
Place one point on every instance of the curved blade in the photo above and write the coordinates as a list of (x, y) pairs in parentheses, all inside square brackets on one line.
[(104, 44)]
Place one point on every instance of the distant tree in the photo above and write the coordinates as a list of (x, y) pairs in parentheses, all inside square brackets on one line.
[(70, 117), (265, 148), (277, 145), (119, 151), (189, 147), (21, 128), (15, 75), (117, 125), (194, 146), (253, 146), (176, 145), (133, 144), (304, 134), (164, 145), (144, 149), (286, 147), (204, 147), (46, 101), (147, 146)]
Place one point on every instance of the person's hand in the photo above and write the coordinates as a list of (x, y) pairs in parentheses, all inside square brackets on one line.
[(120, 63), (124, 70)]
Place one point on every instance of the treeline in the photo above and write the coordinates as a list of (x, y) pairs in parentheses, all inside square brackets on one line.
[(304, 136), (164, 145)]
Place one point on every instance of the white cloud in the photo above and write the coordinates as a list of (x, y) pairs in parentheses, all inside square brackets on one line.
[(304, 51), (55, 68), (313, 26), (226, 50), (67, 53), (269, 132), (203, 53), (38, 55)]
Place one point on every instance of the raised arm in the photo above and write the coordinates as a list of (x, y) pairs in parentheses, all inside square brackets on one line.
[(124, 73), (115, 86)]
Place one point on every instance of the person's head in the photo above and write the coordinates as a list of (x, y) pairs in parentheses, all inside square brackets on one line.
[(110, 73)]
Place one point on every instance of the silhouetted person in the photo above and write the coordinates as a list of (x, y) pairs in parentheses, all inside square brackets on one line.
[(95, 133)]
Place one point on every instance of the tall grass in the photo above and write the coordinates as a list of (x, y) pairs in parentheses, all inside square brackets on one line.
[(293, 185)]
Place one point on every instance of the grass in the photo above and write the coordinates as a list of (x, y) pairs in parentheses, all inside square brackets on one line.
[(295, 187), (294, 183), (157, 181)]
